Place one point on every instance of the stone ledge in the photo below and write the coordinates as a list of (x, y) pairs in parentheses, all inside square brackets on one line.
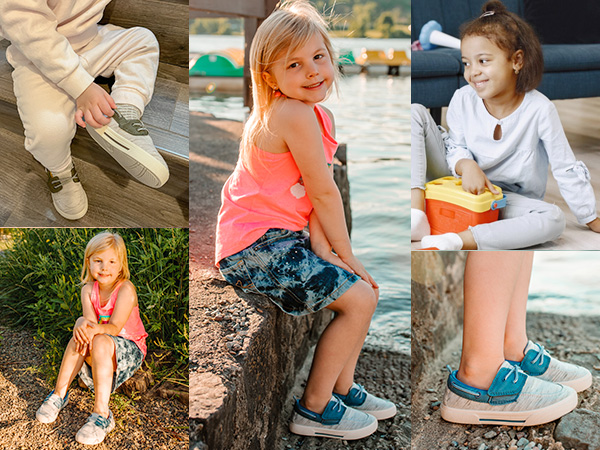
[(238, 386)]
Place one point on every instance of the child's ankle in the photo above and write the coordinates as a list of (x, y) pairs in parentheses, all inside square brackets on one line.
[(513, 350), (480, 377), (313, 405)]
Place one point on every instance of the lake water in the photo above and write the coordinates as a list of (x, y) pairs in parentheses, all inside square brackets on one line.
[(565, 283), (372, 117)]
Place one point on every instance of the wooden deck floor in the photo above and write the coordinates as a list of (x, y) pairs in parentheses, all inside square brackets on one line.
[(115, 199), (579, 119)]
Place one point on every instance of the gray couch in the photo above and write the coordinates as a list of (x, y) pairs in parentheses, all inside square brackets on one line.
[(570, 70)]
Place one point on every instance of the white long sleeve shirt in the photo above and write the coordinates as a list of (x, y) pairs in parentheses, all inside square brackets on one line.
[(532, 138), (48, 34)]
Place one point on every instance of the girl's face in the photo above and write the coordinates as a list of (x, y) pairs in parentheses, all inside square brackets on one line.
[(105, 266), (306, 75), (488, 69)]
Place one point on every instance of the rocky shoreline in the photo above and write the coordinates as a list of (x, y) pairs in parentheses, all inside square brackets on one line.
[(573, 339)]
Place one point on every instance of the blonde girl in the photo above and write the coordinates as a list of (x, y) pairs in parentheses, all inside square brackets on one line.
[(282, 183), (109, 340)]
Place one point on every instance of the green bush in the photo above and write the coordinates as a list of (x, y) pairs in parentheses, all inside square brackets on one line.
[(40, 287)]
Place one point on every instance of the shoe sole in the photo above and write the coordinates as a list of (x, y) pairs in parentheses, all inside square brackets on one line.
[(580, 384), (349, 435), (135, 160), (381, 414), (93, 442), (515, 418)]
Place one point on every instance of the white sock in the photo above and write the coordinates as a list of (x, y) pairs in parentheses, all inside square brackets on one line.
[(128, 111), (419, 225), (448, 241)]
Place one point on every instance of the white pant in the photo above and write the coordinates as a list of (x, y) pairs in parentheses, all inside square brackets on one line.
[(523, 221), (48, 112)]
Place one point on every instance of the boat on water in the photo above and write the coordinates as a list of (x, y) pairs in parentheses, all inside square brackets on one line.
[(223, 70)]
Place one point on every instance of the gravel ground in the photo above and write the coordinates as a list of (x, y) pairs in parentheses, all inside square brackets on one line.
[(143, 423), (385, 374), (572, 339)]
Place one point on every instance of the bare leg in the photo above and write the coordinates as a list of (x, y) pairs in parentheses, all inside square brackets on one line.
[(346, 378), (338, 344), (491, 280), (103, 366), (468, 240), (515, 335), (70, 366)]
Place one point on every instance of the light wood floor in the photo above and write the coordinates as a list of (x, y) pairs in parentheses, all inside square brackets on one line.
[(581, 122), (115, 199)]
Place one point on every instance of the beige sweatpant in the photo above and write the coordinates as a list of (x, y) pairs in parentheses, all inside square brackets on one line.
[(48, 112)]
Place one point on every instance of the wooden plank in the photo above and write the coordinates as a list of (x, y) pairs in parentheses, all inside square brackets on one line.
[(166, 19), (240, 8)]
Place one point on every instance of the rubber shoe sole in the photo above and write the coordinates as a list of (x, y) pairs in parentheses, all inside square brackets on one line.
[(134, 159), (325, 431), (512, 418)]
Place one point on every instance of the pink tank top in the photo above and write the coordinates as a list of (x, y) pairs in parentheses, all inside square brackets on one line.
[(271, 195), (133, 329)]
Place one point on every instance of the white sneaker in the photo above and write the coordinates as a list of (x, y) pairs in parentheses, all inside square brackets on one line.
[(68, 195), (52, 405), (538, 363), (95, 429), (336, 422), (514, 398), (127, 140), (358, 398)]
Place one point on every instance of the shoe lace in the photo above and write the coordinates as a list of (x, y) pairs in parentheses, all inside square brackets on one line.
[(539, 356), (337, 405), (515, 370)]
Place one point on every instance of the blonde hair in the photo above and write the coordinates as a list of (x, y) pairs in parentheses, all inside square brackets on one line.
[(285, 31), (99, 243)]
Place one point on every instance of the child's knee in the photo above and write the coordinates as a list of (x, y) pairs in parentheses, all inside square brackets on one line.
[(102, 345), (418, 114), (146, 37), (364, 299)]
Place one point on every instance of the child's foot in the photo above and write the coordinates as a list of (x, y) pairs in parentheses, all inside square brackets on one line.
[(419, 225), (337, 422), (53, 404), (514, 398), (448, 241), (361, 400), (68, 195), (540, 364), (127, 140), (95, 429)]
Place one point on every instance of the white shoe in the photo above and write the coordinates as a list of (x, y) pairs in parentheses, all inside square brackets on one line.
[(52, 405), (95, 429), (514, 398), (538, 363), (358, 398), (337, 422), (419, 225), (127, 140), (68, 195)]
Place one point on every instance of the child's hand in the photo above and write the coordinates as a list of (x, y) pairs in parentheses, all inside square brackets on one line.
[(360, 270), (82, 333), (93, 105), (327, 255), (473, 178), (594, 225)]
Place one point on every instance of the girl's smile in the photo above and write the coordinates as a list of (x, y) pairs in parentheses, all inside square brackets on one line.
[(306, 74)]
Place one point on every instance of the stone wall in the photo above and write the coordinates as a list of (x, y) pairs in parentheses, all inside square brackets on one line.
[(436, 305)]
